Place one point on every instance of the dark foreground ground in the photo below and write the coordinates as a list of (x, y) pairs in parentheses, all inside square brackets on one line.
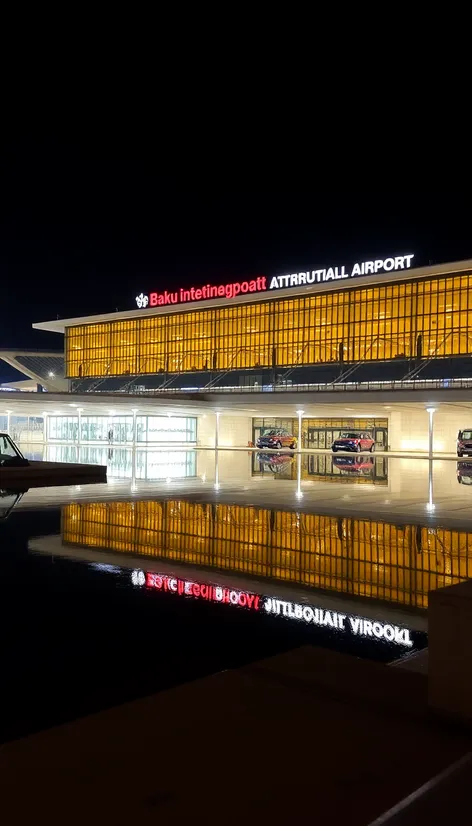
[(309, 734)]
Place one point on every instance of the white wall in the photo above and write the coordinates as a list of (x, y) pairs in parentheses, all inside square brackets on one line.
[(235, 431), (408, 429)]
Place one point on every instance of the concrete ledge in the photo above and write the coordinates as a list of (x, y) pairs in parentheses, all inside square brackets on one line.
[(40, 474), (309, 734), (450, 650)]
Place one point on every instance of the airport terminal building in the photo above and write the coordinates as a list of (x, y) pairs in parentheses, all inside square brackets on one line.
[(369, 344)]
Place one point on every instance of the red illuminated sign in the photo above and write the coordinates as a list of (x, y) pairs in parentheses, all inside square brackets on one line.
[(214, 593), (182, 296)]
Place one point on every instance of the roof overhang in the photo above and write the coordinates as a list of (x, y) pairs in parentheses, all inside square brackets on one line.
[(59, 325)]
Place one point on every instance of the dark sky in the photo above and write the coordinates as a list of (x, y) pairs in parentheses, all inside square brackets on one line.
[(89, 218)]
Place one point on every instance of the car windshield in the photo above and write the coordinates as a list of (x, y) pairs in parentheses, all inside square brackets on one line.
[(270, 433), (349, 436), (467, 434)]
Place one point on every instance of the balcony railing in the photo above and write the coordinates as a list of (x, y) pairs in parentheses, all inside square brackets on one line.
[(331, 387)]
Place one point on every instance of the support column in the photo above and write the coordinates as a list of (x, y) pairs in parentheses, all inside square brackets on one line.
[(134, 412), (300, 415), (217, 472), (45, 428), (79, 431), (8, 421), (431, 411), (217, 429)]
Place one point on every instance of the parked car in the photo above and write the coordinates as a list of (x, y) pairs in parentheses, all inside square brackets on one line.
[(278, 437), (354, 441), (10, 455), (464, 443)]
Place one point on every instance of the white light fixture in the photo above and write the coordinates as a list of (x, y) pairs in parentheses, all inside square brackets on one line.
[(300, 412), (45, 412), (8, 412), (72, 405), (111, 412), (51, 374), (348, 408), (431, 410), (134, 409)]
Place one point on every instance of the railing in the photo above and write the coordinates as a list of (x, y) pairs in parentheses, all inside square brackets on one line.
[(325, 387), (331, 387)]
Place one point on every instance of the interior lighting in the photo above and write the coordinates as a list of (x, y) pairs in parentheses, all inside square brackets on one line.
[(51, 374)]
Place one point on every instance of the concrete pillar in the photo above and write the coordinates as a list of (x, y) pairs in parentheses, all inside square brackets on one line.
[(450, 650), (79, 431), (134, 412)]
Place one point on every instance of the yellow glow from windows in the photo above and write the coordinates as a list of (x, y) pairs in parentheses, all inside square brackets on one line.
[(421, 318), (356, 556)]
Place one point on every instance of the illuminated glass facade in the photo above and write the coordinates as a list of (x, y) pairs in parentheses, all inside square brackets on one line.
[(118, 430), (363, 557), (424, 318)]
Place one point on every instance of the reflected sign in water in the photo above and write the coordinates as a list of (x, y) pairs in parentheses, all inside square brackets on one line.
[(343, 624)]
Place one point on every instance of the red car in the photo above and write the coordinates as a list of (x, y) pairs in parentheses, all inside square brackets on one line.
[(354, 441)]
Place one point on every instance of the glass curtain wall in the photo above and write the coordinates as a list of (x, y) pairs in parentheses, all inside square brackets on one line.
[(154, 429), (424, 318), (363, 557), (118, 430)]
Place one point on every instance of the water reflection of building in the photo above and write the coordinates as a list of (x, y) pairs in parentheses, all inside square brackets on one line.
[(358, 557), (125, 463), (320, 467)]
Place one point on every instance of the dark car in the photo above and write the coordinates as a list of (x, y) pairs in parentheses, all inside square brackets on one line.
[(464, 443), (351, 440), (10, 454), (277, 437)]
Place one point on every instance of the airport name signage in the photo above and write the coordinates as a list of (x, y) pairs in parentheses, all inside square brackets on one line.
[(345, 624), (277, 282)]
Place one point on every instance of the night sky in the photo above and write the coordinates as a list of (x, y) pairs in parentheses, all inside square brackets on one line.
[(89, 220)]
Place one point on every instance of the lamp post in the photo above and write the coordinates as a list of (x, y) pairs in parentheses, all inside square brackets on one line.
[(431, 411), (300, 414)]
